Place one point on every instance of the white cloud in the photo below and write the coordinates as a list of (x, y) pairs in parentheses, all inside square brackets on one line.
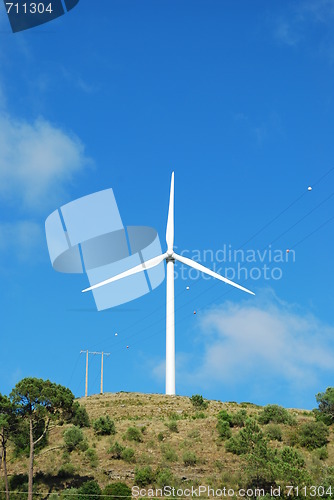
[(159, 367), (37, 161), (78, 81), (286, 34), (259, 131), (260, 346), (297, 25), (320, 10)]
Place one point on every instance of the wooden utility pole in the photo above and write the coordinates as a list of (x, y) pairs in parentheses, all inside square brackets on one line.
[(94, 353), (86, 384), (102, 354), (101, 389)]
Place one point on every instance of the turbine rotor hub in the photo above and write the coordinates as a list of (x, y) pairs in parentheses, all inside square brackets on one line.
[(170, 255)]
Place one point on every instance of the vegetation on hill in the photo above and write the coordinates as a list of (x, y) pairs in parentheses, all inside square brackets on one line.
[(107, 444)]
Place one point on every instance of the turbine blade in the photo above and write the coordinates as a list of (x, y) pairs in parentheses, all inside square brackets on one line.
[(199, 267), (170, 220), (134, 270)]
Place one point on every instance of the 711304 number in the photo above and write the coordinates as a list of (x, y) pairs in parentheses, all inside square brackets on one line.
[(29, 8)]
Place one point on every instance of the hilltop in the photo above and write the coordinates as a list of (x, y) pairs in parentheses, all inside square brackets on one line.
[(181, 444)]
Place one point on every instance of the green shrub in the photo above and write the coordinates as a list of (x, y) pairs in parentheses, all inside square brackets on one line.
[(322, 453), (52, 496), (323, 417), (292, 456), (117, 491), (189, 458), (198, 415), (174, 416), (116, 450), (92, 457), (274, 432), (172, 426), (313, 435), (292, 437), (290, 467), (128, 455), (164, 478), (73, 437), (169, 453), (133, 434), (91, 490), (276, 414), (69, 494), (224, 416), (258, 470), (104, 426), (198, 401), (79, 415), (239, 418), (224, 430), (83, 446), (246, 439), (235, 446), (66, 470), (144, 476)]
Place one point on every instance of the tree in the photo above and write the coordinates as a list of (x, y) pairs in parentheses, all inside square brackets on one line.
[(7, 423), (38, 401), (325, 401)]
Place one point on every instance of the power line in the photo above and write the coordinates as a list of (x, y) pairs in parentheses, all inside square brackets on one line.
[(285, 209), (312, 232), (129, 327), (302, 218), (74, 368)]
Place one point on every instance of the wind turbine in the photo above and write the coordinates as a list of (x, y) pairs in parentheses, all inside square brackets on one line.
[(170, 257)]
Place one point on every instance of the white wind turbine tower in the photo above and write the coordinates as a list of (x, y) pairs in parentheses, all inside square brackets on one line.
[(170, 257)]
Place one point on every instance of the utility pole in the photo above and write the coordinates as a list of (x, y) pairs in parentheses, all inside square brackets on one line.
[(102, 354), (86, 384), (94, 353)]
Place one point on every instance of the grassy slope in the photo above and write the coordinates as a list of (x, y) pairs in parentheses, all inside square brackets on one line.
[(152, 412)]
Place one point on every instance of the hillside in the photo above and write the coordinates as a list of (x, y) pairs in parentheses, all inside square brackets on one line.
[(182, 445)]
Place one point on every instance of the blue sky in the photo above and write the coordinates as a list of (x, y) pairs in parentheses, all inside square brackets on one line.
[(235, 97)]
